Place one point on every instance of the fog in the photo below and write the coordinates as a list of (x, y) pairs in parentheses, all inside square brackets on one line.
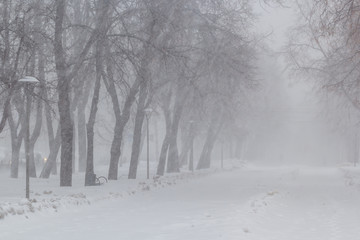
[(293, 126), (270, 107), (294, 130), (179, 119)]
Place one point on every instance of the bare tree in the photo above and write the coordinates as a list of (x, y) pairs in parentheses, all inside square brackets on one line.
[(65, 76), (324, 48), (102, 8)]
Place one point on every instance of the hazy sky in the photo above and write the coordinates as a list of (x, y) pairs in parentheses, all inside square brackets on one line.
[(295, 132), (275, 20)]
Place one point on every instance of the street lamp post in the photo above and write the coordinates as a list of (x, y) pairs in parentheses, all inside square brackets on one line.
[(148, 112), (191, 160), (27, 81)]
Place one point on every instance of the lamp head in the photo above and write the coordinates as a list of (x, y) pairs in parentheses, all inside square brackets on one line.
[(28, 79)]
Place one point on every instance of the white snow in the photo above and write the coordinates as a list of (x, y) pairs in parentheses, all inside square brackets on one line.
[(28, 79), (254, 202)]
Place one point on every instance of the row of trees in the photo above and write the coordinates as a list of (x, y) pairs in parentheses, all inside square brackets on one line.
[(325, 46), (191, 61)]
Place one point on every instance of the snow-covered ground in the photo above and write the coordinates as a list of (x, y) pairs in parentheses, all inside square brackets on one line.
[(46, 195), (247, 203)]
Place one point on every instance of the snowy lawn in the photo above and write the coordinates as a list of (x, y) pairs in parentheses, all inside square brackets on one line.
[(46, 195), (251, 203)]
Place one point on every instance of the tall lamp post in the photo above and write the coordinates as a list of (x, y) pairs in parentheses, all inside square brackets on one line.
[(148, 112), (28, 81)]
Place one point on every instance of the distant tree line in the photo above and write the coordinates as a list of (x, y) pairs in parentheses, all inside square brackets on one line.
[(191, 61), (324, 47)]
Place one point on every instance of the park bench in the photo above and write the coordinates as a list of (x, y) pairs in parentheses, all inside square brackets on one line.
[(93, 180)]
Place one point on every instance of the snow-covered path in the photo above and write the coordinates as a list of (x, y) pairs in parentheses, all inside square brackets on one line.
[(252, 203)]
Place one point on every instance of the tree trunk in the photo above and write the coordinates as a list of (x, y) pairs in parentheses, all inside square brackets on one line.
[(173, 156), (16, 141), (205, 157), (15, 156), (121, 121), (82, 139), (5, 62), (73, 160), (173, 164), (115, 151), (54, 143), (212, 133), (163, 155), (90, 125), (50, 165), (39, 113), (139, 119), (119, 128), (64, 82), (187, 144), (63, 88), (83, 93), (90, 134), (165, 145), (66, 126), (82, 11), (32, 165), (185, 148), (156, 135), (34, 137)]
